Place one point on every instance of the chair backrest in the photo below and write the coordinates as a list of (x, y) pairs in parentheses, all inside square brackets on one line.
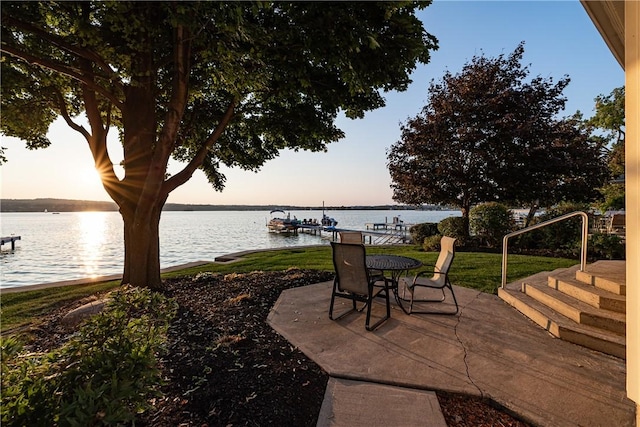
[(349, 261), (618, 221), (445, 259), (350, 236)]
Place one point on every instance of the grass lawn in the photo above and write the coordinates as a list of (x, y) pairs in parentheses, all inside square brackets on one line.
[(481, 271)]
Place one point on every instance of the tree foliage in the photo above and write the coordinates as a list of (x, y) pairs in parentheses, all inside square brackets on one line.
[(207, 83), (610, 118), (488, 134)]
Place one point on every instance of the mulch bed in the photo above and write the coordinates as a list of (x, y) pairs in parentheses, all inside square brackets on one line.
[(226, 366)]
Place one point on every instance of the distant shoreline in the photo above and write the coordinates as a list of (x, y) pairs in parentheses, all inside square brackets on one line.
[(68, 205)]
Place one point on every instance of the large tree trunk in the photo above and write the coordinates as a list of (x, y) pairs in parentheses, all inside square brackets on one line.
[(465, 218), (142, 250), (531, 215), (142, 192), (142, 199)]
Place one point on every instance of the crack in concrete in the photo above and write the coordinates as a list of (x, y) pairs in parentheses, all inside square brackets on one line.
[(464, 348)]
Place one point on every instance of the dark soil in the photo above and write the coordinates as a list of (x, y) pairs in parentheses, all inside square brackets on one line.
[(226, 367)]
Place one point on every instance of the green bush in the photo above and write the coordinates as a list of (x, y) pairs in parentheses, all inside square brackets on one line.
[(103, 375), (560, 238), (431, 243), (420, 231), (606, 246), (565, 234), (455, 227), (490, 222)]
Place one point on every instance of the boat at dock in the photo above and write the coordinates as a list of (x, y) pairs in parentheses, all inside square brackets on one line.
[(328, 221), (279, 223)]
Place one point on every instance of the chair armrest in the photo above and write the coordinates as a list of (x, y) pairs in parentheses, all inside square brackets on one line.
[(434, 270)]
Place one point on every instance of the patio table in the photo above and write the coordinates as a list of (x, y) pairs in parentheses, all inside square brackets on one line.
[(396, 265)]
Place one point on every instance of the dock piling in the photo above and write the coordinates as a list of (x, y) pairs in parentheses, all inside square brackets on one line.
[(10, 239)]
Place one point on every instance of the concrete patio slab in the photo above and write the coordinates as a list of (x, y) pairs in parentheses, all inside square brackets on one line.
[(488, 349)]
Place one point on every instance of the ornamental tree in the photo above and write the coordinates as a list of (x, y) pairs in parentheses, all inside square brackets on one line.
[(207, 83), (488, 134)]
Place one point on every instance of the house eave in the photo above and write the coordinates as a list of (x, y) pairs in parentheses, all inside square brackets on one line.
[(608, 18)]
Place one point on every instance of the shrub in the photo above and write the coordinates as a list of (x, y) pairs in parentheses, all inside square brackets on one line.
[(565, 234), (490, 222), (455, 227), (562, 238), (103, 375), (606, 246), (431, 243), (420, 231)]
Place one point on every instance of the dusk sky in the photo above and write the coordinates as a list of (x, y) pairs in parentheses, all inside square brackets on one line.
[(559, 37)]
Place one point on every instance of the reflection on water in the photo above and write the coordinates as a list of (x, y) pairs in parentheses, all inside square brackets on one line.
[(92, 237), (76, 245)]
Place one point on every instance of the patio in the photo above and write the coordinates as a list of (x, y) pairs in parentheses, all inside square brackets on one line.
[(488, 349)]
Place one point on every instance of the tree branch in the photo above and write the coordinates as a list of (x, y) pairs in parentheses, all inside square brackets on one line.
[(67, 118), (60, 68), (179, 94), (185, 174), (64, 45)]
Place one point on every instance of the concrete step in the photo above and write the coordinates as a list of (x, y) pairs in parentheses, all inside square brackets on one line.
[(576, 310), (355, 403), (566, 283), (607, 275), (562, 327)]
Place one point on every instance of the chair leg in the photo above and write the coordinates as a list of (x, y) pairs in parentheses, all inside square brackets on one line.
[(354, 300), (426, 300), (335, 294), (333, 299), (370, 303), (454, 296)]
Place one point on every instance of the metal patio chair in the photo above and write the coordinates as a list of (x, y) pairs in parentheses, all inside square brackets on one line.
[(439, 280), (355, 282), (350, 237)]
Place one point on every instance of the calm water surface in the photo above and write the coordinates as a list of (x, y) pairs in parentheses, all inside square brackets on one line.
[(75, 245)]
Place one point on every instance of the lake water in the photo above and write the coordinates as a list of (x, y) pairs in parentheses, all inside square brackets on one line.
[(76, 245)]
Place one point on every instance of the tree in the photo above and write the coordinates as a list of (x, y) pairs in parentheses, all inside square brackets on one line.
[(207, 83), (486, 134), (610, 117), (569, 166)]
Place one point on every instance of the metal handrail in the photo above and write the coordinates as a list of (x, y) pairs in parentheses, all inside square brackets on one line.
[(583, 249)]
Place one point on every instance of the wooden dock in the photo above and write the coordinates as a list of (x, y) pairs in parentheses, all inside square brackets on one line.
[(396, 224), (375, 233), (10, 239), (314, 229), (375, 237)]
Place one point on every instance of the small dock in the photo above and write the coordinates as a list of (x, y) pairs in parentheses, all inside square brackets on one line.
[(395, 224), (395, 232), (10, 239), (380, 236), (314, 229)]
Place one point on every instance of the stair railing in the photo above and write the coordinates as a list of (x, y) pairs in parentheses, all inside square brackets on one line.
[(583, 248)]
